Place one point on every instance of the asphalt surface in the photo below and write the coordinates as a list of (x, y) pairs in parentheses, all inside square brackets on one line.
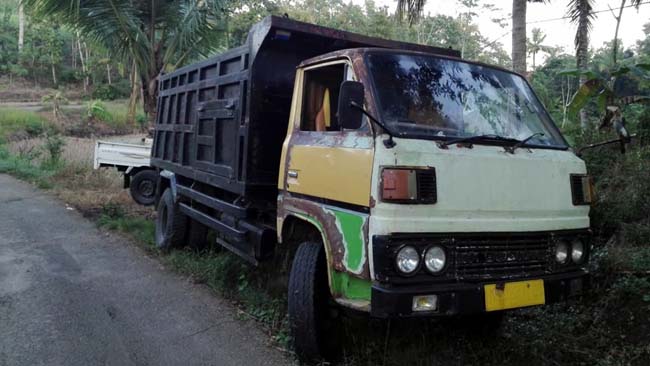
[(73, 295)]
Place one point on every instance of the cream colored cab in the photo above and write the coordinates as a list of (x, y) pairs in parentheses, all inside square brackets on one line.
[(456, 194)]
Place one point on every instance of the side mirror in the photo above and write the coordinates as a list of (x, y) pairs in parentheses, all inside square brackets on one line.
[(351, 92)]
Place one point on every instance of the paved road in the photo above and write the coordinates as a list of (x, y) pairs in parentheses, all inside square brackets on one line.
[(72, 295)]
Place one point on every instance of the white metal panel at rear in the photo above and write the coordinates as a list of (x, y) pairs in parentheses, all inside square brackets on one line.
[(121, 154)]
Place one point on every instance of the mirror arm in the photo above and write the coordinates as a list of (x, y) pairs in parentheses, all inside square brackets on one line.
[(389, 143), (603, 143)]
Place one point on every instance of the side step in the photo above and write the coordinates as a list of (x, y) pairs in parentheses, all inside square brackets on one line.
[(251, 242)]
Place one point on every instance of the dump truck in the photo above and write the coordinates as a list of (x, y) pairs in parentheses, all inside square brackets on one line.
[(403, 180)]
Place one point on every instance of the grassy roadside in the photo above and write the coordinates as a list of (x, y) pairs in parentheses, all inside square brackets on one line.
[(610, 326)]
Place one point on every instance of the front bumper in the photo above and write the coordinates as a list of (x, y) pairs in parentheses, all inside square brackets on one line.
[(465, 298)]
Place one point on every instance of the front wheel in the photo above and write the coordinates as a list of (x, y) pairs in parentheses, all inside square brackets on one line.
[(309, 304), (171, 224)]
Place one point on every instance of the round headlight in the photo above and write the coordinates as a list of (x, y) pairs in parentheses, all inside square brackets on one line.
[(407, 260), (577, 251), (435, 259), (561, 252)]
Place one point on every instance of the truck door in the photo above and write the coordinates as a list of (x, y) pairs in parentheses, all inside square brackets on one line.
[(322, 160)]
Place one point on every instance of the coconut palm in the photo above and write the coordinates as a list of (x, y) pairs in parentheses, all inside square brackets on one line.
[(156, 35), (519, 34), (535, 44), (412, 9)]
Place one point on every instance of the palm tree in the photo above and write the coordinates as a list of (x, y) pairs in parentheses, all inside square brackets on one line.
[(156, 35), (519, 34), (580, 13), (535, 44), (412, 9)]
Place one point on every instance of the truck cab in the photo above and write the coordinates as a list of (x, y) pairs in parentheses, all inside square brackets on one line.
[(462, 197), (404, 180)]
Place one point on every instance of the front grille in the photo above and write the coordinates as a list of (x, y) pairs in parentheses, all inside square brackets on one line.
[(501, 258), (475, 257)]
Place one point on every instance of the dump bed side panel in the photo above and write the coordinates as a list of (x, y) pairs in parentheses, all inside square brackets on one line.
[(201, 109)]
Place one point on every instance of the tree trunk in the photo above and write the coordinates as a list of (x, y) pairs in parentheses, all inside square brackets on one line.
[(82, 59), (135, 93), (21, 26), (54, 76), (149, 97), (582, 58), (519, 36), (108, 73), (618, 24)]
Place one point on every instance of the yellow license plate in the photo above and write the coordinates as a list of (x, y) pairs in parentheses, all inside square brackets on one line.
[(514, 295)]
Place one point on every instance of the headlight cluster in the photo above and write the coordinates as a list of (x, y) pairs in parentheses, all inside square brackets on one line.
[(408, 259), (575, 250)]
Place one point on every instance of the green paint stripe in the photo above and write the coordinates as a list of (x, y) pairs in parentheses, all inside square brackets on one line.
[(342, 283), (349, 287), (351, 226)]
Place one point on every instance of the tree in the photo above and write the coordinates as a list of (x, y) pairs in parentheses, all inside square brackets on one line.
[(535, 44), (580, 13), (519, 34), (156, 35), (410, 9), (21, 26)]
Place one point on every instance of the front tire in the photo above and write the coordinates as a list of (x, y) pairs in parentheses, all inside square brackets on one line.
[(171, 224), (308, 302), (143, 187)]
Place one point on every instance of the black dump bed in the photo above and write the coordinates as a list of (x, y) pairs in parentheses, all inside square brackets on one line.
[(222, 121)]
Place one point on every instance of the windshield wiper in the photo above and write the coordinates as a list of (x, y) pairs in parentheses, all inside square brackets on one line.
[(470, 139), (511, 149)]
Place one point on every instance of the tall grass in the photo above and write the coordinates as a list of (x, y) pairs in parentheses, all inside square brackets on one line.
[(13, 120)]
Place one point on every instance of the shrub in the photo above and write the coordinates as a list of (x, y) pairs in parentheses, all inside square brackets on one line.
[(54, 145), (118, 90), (96, 110)]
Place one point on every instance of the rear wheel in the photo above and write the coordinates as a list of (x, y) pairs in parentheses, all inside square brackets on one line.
[(171, 224), (143, 187), (310, 305)]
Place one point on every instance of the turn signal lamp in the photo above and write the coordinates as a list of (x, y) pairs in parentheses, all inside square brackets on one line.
[(409, 185), (582, 189)]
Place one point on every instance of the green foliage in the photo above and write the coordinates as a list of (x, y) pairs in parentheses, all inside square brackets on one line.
[(53, 146), (24, 167), (96, 111), (113, 217), (113, 91), (17, 121)]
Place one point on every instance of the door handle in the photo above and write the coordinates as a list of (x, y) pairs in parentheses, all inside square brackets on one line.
[(293, 174)]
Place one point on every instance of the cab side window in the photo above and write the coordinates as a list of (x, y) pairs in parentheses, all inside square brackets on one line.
[(320, 98)]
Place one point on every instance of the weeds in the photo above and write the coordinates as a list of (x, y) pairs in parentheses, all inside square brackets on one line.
[(17, 121)]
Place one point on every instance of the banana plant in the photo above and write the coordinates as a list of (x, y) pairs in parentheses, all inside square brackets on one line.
[(612, 88)]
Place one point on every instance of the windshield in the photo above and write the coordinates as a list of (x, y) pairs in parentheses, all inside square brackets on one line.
[(430, 97)]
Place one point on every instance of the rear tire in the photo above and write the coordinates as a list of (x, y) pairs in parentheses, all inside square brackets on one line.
[(143, 187), (171, 224), (308, 300)]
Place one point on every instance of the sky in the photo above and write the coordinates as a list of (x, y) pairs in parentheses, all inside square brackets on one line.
[(559, 32)]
